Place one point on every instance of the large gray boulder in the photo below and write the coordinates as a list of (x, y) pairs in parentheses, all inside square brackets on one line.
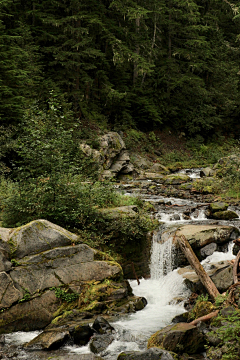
[(51, 268), (37, 236)]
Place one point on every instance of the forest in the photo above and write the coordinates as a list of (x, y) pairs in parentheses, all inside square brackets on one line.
[(122, 63)]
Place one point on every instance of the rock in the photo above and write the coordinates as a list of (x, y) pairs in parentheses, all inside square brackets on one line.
[(38, 236), (220, 273), (140, 303), (225, 215), (112, 157), (9, 294), (130, 211), (61, 266), (202, 235), (218, 206), (180, 318), (102, 326), (177, 179), (45, 285), (179, 338), (150, 354), (81, 334), (205, 172), (31, 315), (208, 250), (223, 279), (99, 343), (5, 264), (140, 162), (49, 340), (159, 168)]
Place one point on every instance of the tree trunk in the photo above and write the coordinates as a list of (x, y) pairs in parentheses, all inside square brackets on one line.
[(235, 269), (195, 264)]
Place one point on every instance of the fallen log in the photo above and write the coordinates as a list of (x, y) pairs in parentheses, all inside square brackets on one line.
[(205, 317), (195, 264), (235, 268)]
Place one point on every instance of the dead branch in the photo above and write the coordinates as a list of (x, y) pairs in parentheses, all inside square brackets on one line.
[(205, 317)]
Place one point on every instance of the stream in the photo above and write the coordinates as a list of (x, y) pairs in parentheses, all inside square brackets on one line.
[(164, 290)]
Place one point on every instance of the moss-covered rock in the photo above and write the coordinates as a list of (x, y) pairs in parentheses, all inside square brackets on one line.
[(179, 338), (218, 206), (225, 215)]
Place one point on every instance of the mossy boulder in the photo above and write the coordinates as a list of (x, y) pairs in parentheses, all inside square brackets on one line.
[(225, 215), (179, 338), (218, 206), (53, 275)]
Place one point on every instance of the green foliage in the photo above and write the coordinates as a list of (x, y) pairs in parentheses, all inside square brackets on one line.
[(220, 299), (26, 297), (64, 294)]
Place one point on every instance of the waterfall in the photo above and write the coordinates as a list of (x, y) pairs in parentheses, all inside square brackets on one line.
[(161, 257)]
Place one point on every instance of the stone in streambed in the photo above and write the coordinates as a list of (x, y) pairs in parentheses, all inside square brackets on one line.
[(48, 340), (99, 343), (102, 326), (218, 206), (179, 338), (150, 354)]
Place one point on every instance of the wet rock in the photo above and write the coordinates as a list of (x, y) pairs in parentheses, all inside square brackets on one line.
[(225, 215), (140, 303), (179, 338), (99, 343), (208, 250), (81, 334), (102, 326), (47, 340), (150, 354), (220, 273)]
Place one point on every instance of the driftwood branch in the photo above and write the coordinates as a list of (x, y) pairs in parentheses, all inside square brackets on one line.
[(205, 317), (195, 264)]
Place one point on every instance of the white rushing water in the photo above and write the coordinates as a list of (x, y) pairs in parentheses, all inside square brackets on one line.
[(163, 290)]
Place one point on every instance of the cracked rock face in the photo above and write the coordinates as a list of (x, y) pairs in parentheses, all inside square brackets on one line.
[(44, 256)]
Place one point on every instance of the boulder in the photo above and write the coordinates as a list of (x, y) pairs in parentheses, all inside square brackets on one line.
[(150, 354), (208, 250), (112, 156), (49, 340), (179, 338), (205, 172), (202, 235), (130, 211), (220, 273), (177, 179), (38, 236), (218, 206), (102, 326), (99, 343), (159, 168), (53, 278), (140, 162), (225, 215), (81, 334)]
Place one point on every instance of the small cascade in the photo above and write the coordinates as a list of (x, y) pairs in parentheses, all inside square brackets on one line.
[(161, 258)]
